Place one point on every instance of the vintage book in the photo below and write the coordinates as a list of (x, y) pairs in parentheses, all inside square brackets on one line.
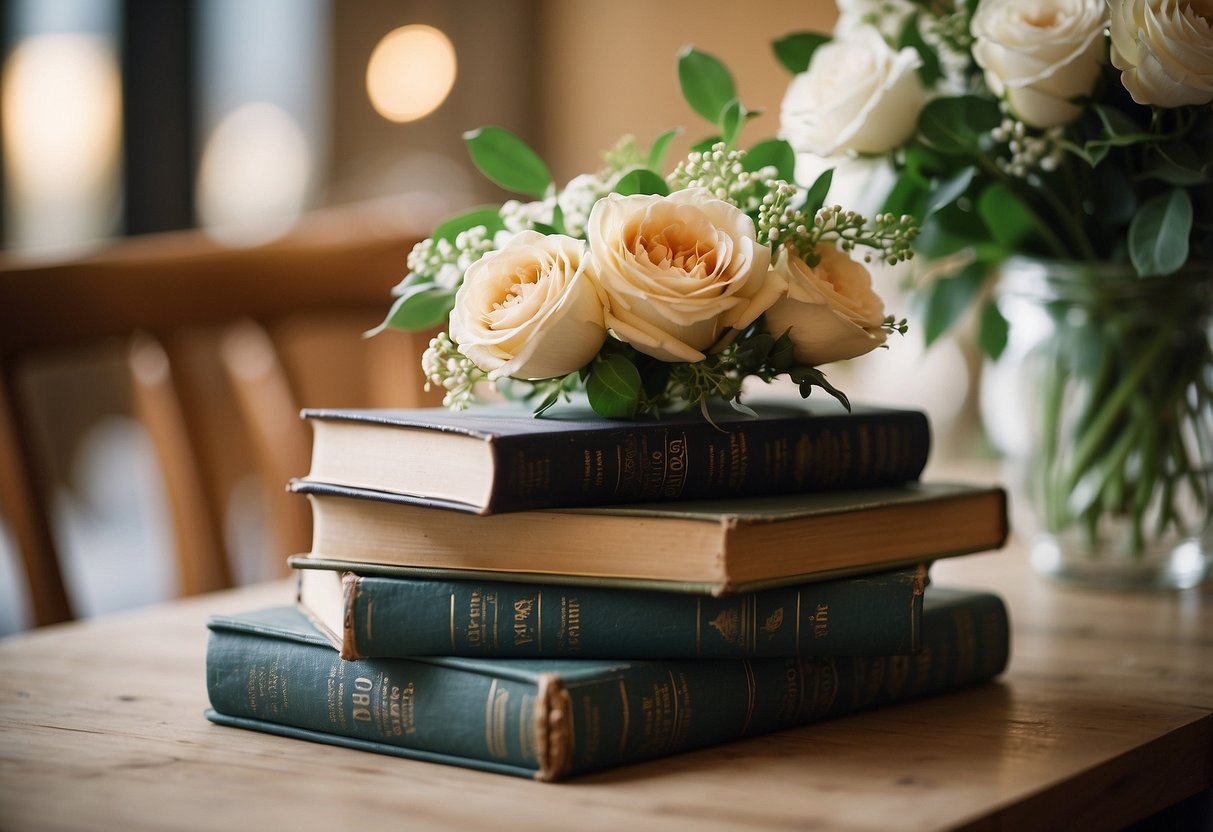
[(501, 458), (712, 547), (552, 718), (395, 616)]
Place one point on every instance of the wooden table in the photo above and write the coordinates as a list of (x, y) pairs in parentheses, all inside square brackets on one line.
[(1105, 716)]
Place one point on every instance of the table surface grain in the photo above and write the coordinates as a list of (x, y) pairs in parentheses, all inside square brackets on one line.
[(1105, 715)]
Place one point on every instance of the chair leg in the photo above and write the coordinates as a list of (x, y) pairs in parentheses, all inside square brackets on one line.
[(201, 554), (27, 515)]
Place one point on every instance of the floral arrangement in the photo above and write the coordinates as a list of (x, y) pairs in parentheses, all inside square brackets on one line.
[(650, 291), (1075, 136), (1074, 130)]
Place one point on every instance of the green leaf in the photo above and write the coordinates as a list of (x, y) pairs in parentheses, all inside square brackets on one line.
[(704, 145), (1010, 221), (420, 307), (640, 181), (1119, 128), (1178, 163), (774, 153), (992, 334), (816, 197), (949, 190), (613, 387), (452, 227), (949, 298), (508, 161), (707, 85), (930, 71), (731, 119), (795, 51), (955, 126), (1158, 235), (809, 377), (951, 229), (661, 146), (907, 197)]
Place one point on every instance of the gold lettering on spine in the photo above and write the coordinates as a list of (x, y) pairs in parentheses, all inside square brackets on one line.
[(370, 603), (453, 650), (674, 704), (539, 620)]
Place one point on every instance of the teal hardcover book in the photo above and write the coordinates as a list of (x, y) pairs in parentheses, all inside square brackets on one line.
[(395, 615), (272, 671)]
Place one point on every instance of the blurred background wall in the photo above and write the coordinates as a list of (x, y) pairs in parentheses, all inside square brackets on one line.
[(129, 117)]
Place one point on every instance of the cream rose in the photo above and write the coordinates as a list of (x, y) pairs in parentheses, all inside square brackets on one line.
[(829, 311), (1040, 54), (530, 310), (678, 271), (857, 94), (1164, 50)]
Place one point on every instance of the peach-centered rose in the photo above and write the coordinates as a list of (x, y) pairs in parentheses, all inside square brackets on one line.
[(530, 310), (678, 271), (1164, 50), (857, 94), (1040, 54), (829, 310)]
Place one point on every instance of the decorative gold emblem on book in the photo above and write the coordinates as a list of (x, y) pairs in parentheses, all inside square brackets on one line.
[(727, 624), (773, 623)]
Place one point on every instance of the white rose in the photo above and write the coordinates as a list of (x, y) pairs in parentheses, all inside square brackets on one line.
[(678, 271), (857, 94), (1164, 50), (830, 311), (1040, 54), (531, 309)]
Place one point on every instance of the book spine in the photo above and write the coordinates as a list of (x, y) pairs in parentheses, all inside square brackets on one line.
[(703, 461), (877, 614), (554, 728)]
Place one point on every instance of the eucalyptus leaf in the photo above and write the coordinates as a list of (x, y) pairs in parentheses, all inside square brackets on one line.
[(1178, 163), (452, 227), (947, 300), (508, 161), (818, 191), (795, 51), (956, 125), (1011, 223), (929, 71), (640, 181), (661, 146), (1158, 235), (731, 119), (420, 307), (949, 190), (1119, 128), (707, 85), (613, 386), (993, 331), (775, 153)]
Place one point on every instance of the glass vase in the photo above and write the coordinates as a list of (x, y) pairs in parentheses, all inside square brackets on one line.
[(1102, 407)]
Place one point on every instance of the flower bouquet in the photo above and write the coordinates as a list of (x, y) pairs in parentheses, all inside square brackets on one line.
[(1058, 155), (649, 291)]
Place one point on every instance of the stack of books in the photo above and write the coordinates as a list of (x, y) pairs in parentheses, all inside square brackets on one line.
[(548, 597)]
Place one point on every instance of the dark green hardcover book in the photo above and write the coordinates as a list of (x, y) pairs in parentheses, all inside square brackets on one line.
[(272, 671), (393, 616), (501, 458)]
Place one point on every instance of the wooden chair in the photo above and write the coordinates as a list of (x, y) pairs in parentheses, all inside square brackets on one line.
[(221, 347)]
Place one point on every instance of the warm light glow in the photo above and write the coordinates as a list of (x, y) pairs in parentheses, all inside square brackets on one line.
[(410, 73), (62, 115), (254, 175)]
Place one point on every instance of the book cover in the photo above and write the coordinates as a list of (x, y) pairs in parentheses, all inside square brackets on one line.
[(548, 719), (501, 458), (396, 616), (713, 547)]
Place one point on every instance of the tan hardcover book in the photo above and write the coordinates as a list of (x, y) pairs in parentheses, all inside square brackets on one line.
[(695, 546)]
